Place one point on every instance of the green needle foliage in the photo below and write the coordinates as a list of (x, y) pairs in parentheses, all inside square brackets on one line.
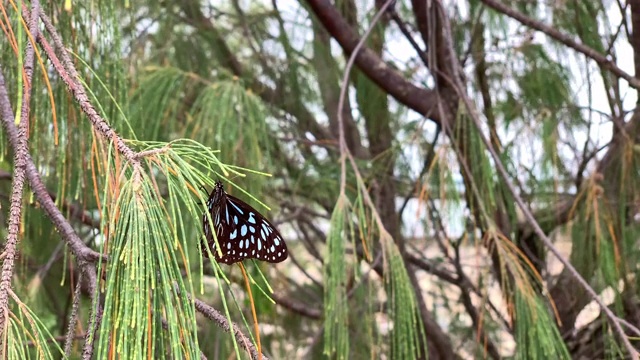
[(149, 251), (407, 337), (30, 337), (336, 326), (146, 259), (534, 328)]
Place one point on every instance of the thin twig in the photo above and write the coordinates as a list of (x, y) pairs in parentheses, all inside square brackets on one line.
[(428, 159), (95, 314), (476, 319), (253, 309), (73, 317), (403, 29), (220, 319), (344, 85), (165, 326), (564, 39), (300, 308)]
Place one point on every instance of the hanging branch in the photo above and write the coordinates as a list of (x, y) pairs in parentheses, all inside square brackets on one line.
[(73, 318), (18, 139), (69, 75)]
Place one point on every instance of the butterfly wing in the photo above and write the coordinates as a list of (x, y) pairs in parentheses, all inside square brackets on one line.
[(242, 232), (213, 208)]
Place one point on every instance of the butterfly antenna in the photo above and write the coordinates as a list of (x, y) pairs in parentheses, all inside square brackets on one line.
[(201, 187)]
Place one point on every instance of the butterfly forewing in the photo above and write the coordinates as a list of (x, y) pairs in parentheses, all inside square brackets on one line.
[(242, 232)]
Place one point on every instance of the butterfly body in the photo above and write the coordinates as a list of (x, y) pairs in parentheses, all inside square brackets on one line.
[(242, 232)]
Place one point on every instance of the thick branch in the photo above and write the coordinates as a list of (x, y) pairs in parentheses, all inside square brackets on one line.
[(67, 71), (74, 210), (418, 99)]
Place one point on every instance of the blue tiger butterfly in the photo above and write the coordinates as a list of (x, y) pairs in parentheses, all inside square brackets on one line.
[(242, 232)]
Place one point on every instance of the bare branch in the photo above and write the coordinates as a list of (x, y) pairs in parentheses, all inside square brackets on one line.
[(223, 323), (95, 314), (419, 99), (564, 39), (73, 317)]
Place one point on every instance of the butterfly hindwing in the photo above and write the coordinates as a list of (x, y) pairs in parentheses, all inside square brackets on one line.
[(242, 232)]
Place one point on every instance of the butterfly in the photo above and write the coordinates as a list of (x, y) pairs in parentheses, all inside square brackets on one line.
[(242, 232)]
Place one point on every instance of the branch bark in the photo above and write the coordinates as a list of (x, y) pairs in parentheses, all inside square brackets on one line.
[(416, 98), (18, 139)]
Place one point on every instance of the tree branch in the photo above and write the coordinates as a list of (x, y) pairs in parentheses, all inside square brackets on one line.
[(222, 321), (18, 139), (67, 71), (566, 40), (418, 99)]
